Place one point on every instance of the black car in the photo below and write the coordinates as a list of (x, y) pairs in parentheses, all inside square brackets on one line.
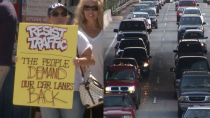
[(141, 56), (194, 89), (188, 63), (133, 28), (152, 16), (196, 34), (189, 47), (189, 22), (129, 42)]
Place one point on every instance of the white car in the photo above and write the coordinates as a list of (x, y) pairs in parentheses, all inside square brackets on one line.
[(142, 15), (193, 10)]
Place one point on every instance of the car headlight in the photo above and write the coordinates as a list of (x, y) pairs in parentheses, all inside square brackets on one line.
[(127, 116), (200, 28), (108, 89), (146, 64), (202, 44), (180, 14), (183, 98), (131, 89)]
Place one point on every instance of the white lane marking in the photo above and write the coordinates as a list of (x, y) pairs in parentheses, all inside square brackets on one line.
[(161, 50), (165, 23), (158, 80), (110, 47), (166, 14), (166, 18), (154, 101), (164, 31), (163, 39), (205, 18), (207, 23)]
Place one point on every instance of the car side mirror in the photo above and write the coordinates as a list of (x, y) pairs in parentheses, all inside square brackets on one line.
[(205, 51), (172, 69), (197, 4), (177, 23), (115, 30), (175, 51), (204, 23), (157, 15), (206, 37), (115, 47), (149, 30)]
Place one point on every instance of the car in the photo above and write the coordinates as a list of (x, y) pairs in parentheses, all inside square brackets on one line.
[(183, 4), (208, 2), (196, 34), (157, 5), (193, 10), (132, 28), (152, 16), (197, 111), (140, 15), (189, 47), (129, 42), (146, 22), (138, 7), (189, 22), (194, 89), (124, 78), (141, 56), (150, 4), (188, 63), (119, 106)]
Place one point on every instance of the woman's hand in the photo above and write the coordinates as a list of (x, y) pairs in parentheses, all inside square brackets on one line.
[(15, 59), (76, 62)]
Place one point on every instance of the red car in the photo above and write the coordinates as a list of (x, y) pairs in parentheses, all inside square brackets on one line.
[(183, 4), (124, 78), (118, 106), (208, 2)]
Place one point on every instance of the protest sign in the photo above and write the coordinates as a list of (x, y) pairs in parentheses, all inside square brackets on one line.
[(44, 74)]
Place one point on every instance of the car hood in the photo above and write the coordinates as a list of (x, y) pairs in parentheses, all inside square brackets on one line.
[(119, 82), (153, 17), (197, 91), (190, 54), (117, 110)]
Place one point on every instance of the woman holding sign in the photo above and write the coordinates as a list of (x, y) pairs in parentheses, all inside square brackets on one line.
[(58, 14), (89, 17)]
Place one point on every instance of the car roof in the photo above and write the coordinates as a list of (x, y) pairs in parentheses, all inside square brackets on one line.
[(132, 20), (190, 15), (182, 57), (189, 40), (193, 73), (190, 8), (140, 18), (146, 2), (198, 107), (132, 38), (187, 0), (147, 9), (138, 48), (193, 30), (140, 13), (140, 5)]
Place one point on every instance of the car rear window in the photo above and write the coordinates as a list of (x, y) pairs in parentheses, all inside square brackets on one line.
[(190, 47), (138, 8), (190, 21), (190, 11), (192, 64), (193, 35), (150, 12), (131, 43), (187, 3), (134, 53), (132, 26), (140, 15)]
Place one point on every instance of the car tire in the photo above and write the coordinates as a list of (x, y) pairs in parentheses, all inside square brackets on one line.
[(137, 102), (177, 19), (180, 112), (156, 26), (178, 38), (139, 99), (175, 95)]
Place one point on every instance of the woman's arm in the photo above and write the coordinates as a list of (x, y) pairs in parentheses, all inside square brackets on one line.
[(87, 59)]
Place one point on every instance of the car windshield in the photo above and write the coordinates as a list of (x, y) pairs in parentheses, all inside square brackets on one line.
[(189, 47), (132, 26), (150, 12), (132, 43), (149, 4), (190, 21), (186, 3), (117, 101), (193, 35), (120, 75), (138, 8), (135, 53), (190, 11), (140, 15), (195, 81), (197, 113), (192, 64)]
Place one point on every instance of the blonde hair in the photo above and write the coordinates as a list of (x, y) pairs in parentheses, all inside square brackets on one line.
[(80, 19)]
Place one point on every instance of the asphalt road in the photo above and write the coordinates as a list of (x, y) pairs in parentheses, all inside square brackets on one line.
[(157, 99)]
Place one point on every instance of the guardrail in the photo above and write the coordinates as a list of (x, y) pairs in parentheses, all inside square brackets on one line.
[(124, 5), (107, 17)]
